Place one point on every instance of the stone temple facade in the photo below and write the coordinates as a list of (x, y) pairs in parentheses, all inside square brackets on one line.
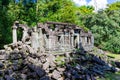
[(54, 36)]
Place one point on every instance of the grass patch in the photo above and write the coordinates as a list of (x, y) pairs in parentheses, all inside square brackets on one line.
[(111, 76), (113, 55)]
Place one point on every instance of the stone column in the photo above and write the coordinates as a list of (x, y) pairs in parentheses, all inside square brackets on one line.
[(41, 40), (14, 32), (78, 41), (25, 34), (92, 40), (85, 40), (34, 40), (46, 41), (62, 42), (69, 40), (72, 41), (50, 43)]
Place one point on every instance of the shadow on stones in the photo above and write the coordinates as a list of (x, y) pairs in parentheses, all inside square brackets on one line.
[(18, 65), (83, 65)]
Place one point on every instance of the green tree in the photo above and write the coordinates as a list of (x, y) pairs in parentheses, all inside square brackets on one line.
[(105, 26)]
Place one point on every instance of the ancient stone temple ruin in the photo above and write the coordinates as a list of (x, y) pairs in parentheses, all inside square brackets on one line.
[(54, 36)]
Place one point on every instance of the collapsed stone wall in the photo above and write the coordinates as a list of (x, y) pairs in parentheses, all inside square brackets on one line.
[(19, 61)]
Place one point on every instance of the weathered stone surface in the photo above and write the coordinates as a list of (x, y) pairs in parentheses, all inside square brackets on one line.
[(46, 65), (23, 76), (97, 60), (7, 77), (1, 65), (45, 78), (56, 74), (40, 72), (117, 64)]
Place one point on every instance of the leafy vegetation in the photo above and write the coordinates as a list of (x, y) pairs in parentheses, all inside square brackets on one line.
[(105, 25)]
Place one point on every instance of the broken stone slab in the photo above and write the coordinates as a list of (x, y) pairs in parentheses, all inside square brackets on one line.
[(1, 72), (52, 64), (92, 77), (61, 78), (60, 69), (56, 74), (31, 75), (97, 60), (23, 76), (7, 77), (117, 64), (15, 56), (45, 78), (2, 57), (46, 65), (78, 67), (67, 74), (50, 58), (43, 59), (8, 72), (40, 72), (2, 52), (88, 77), (1, 65)]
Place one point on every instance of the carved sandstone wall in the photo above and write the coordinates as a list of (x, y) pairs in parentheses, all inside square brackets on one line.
[(55, 36)]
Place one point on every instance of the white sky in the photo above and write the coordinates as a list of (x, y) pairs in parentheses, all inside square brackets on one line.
[(97, 4)]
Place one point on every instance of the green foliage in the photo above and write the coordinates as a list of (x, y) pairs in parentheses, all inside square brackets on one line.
[(105, 26), (85, 10), (114, 6)]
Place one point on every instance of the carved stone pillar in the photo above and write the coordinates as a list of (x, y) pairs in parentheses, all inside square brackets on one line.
[(14, 32), (92, 40), (69, 40), (50, 41), (85, 40), (78, 41), (25, 34), (34, 40), (72, 41), (46, 41), (62, 42), (41, 40)]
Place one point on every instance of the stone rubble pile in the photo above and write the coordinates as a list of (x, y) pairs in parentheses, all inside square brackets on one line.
[(20, 62), (87, 67)]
